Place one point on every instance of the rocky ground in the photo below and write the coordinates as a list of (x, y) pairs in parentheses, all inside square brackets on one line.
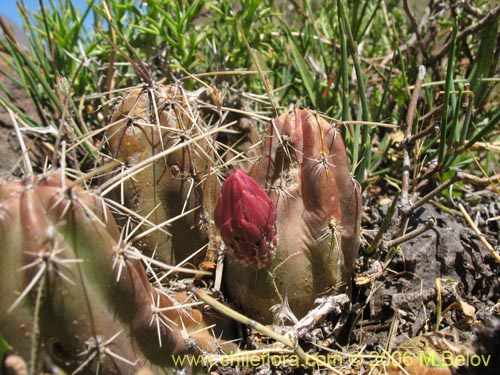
[(403, 302)]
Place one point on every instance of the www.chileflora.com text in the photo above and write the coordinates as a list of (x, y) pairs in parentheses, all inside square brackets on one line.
[(374, 359)]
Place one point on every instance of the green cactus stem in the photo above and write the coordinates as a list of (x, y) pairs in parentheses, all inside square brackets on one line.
[(305, 171), (177, 193), (73, 291)]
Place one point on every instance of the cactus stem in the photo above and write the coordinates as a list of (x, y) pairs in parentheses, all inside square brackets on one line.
[(204, 155), (60, 198), (332, 230), (322, 164), (324, 149), (273, 272), (73, 199), (284, 141), (89, 211), (193, 118), (116, 180), (282, 189), (35, 335), (121, 264), (152, 96), (188, 197), (134, 215), (153, 228), (120, 260)]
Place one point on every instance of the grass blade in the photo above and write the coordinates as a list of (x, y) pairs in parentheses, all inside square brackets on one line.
[(364, 158), (448, 88)]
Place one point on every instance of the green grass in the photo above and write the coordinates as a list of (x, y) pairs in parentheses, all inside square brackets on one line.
[(347, 60)]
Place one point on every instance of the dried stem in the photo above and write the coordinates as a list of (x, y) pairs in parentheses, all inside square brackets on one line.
[(414, 25), (407, 145), (431, 129), (478, 233), (384, 226), (398, 241), (326, 306), (457, 177), (136, 62), (481, 181), (227, 311), (439, 302), (22, 145)]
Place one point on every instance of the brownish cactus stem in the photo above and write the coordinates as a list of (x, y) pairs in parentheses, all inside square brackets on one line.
[(158, 133), (75, 287), (305, 171), (116, 180)]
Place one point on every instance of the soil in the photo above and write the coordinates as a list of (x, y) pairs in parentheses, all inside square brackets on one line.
[(405, 298), (449, 251)]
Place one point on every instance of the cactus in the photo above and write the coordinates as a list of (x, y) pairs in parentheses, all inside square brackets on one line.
[(76, 292), (304, 169), (176, 193)]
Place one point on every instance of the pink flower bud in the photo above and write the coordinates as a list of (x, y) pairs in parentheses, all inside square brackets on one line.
[(246, 218)]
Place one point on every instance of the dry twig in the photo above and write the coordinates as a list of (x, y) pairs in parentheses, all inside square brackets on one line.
[(478, 233)]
